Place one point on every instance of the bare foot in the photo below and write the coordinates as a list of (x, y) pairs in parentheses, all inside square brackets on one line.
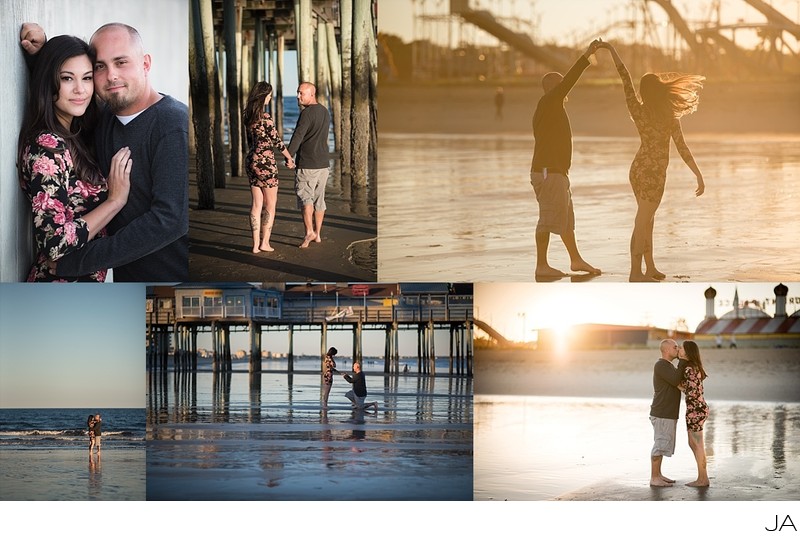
[(698, 483), (641, 278), (548, 273), (667, 479), (659, 483), (584, 266), (256, 250), (655, 274), (318, 238), (308, 239), (266, 247)]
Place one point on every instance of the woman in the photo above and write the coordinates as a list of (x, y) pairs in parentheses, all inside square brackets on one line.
[(328, 368), (262, 170), (70, 199), (696, 408), (90, 425), (664, 99)]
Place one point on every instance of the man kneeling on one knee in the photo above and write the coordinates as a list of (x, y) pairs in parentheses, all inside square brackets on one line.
[(359, 391)]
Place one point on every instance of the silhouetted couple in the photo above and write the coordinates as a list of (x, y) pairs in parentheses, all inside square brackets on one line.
[(656, 112)]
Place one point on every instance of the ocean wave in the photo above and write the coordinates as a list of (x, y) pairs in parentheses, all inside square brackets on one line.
[(68, 433)]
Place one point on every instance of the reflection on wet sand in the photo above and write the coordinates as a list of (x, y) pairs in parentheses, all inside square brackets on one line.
[(242, 436), (484, 195)]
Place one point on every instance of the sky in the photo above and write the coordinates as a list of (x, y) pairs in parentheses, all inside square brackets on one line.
[(557, 305), (72, 346), (567, 22)]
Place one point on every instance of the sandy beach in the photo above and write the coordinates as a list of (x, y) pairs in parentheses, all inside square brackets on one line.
[(221, 243), (67, 473), (266, 437), (595, 109), (575, 427), (465, 182)]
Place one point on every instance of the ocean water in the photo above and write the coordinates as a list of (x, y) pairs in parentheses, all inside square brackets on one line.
[(461, 208), (43, 455), (37, 428)]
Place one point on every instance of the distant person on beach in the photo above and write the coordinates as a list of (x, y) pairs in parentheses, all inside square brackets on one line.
[(97, 429), (328, 368), (665, 98), (310, 144), (71, 201), (359, 391), (90, 431), (499, 101), (733, 341), (696, 408), (148, 239), (664, 410), (262, 170), (552, 157)]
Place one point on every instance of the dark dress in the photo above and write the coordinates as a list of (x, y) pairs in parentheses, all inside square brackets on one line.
[(696, 407), (262, 169), (59, 200), (648, 174)]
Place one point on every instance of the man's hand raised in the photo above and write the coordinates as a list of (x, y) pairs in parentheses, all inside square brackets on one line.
[(32, 38)]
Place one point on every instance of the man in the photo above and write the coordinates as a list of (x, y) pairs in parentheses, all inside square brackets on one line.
[(664, 410), (96, 428), (359, 391), (148, 239), (552, 157), (310, 145)]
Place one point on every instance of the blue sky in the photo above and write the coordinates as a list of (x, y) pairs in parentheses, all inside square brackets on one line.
[(72, 346)]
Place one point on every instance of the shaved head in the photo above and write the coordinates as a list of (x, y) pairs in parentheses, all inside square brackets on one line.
[(551, 80)]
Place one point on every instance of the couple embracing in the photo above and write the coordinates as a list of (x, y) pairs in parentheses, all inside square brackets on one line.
[(663, 99), (668, 382), (102, 159)]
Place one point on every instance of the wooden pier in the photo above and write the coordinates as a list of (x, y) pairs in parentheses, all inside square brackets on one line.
[(176, 315), (236, 43)]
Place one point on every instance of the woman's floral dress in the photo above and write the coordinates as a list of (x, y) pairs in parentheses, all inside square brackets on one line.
[(648, 174), (262, 170), (327, 371), (58, 201), (696, 407)]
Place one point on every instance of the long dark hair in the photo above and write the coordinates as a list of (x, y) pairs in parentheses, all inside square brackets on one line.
[(255, 103), (40, 114), (670, 95), (693, 358)]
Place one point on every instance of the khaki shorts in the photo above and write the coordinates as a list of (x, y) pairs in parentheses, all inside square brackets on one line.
[(663, 436), (555, 202), (309, 185)]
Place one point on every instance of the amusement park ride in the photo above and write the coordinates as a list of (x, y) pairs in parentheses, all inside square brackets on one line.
[(490, 26)]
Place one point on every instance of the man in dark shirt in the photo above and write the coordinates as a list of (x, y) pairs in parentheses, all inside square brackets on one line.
[(552, 157), (664, 410), (359, 391), (310, 144), (97, 429), (148, 239)]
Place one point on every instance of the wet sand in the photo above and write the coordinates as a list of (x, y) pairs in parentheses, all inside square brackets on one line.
[(462, 179), (68, 474), (737, 375), (551, 448), (594, 109), (220, 439), (221, 243), (575, 426)]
